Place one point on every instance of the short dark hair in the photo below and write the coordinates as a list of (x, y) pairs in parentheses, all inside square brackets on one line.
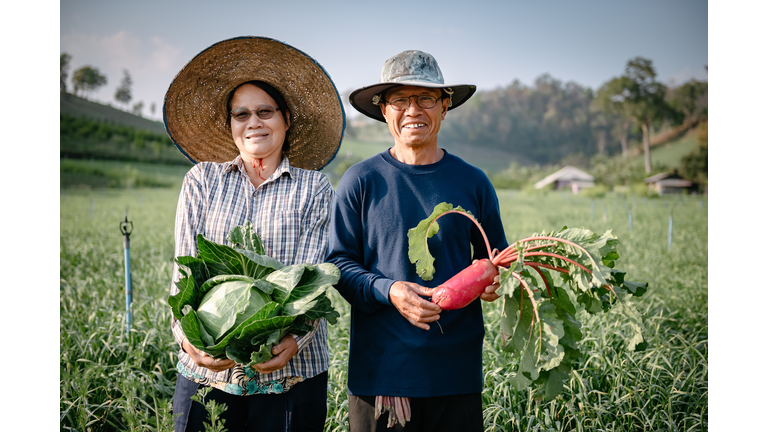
[(274, 94)]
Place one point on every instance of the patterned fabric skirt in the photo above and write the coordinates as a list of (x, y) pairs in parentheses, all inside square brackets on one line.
[(243, 382)]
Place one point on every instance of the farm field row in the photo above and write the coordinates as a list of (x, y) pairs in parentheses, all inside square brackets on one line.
[(113, 382)]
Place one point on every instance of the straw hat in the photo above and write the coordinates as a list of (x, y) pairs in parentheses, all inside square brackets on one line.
[(415, 68), (194, 109)]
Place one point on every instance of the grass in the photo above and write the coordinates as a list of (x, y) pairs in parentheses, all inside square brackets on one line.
[(96, 174), (670, 154), (110, 381), (77, 106)]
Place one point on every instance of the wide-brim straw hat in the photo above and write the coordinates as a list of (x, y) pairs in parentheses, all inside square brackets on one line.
[(195, 114), (412, 67)]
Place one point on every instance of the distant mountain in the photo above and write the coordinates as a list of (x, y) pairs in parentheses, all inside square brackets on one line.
[(79, 107)]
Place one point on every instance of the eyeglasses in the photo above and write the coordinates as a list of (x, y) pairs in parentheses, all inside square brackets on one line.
[(403, 103), (265, 112)]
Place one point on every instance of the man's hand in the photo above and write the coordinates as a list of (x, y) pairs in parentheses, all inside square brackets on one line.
[(405, 297), (489, 294), (202, 359), (283, 351)]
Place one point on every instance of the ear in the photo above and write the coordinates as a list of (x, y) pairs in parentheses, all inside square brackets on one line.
[(287, 118), (383, 108), (445, 106)]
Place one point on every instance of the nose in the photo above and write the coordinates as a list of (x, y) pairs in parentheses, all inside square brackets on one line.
[(413, 104), (254, 120)]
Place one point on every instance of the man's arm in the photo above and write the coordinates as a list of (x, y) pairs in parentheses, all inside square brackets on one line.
[(362, 288)]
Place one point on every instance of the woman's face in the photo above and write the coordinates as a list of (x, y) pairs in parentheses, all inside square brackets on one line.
[(257, 138)]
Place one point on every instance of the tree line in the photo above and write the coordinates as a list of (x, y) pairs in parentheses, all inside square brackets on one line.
[(88, 79), (551, 119)]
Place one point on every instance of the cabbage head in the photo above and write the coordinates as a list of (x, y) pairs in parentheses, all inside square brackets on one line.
[(228, 304), (237, 302)]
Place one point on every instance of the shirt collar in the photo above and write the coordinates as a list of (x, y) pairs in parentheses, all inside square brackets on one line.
[(238, 164)]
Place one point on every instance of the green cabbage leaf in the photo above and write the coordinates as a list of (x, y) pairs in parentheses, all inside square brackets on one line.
[(237, 302)]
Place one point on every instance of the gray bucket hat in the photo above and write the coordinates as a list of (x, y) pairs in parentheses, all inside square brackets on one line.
[(414, 68)]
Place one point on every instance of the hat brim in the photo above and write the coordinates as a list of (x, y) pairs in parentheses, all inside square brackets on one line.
[(361, 98), (194, 108)]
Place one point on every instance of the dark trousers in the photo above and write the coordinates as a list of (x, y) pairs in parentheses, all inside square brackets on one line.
[(302, 408), (460, 413)]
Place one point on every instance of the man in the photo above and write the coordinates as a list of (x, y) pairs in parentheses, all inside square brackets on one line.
[(407, 356)]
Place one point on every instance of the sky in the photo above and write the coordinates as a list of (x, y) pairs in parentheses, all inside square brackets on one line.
[(486, 43)]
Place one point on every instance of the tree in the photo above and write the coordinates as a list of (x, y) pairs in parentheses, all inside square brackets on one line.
[(691, 100), (152, 108), (611, 99), (694, 166), (87, 79), (64, 58), (123, 93), (644, 99), (137, 107)]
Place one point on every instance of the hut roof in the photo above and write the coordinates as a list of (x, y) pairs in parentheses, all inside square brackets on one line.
[(567, 173), (668, 180)]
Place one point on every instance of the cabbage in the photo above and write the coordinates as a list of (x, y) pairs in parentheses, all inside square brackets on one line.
[(237, 302), (229, 304)]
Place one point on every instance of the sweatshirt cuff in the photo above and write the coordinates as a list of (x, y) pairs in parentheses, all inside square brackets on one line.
[(381, 288)]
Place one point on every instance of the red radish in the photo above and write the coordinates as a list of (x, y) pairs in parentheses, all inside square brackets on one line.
[(573, 268), (465, 286), (468, 284)]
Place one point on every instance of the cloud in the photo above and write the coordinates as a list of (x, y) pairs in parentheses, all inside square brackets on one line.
[(165, 57), (122, 50), (151, 60)]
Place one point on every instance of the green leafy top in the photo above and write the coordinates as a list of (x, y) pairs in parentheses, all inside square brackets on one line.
[(261, 300), (418, 251), (545, 280)]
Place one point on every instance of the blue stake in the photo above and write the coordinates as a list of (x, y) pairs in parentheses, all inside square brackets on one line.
[(630, 221), (126, 227), (669, 236)]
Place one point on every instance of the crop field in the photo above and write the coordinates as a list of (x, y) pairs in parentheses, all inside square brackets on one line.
[(110, 380)]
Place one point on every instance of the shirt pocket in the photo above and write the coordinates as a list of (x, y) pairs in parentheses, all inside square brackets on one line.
[(285, 232)]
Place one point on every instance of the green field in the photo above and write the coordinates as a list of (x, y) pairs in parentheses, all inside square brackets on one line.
[(671, 153), (109, 381)]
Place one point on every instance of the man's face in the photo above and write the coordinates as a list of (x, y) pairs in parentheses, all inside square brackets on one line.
[(415, 126)]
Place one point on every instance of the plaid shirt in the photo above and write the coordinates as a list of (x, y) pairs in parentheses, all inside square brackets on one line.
[(290, 211)]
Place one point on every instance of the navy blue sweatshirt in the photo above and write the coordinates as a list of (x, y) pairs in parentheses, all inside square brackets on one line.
[(377, 202)]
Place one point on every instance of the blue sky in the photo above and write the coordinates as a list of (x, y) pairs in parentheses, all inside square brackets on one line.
[(486, 43)]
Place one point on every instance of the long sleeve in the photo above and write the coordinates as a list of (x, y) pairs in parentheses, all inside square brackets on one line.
[(314, 239), (189, 221), (362, 288)]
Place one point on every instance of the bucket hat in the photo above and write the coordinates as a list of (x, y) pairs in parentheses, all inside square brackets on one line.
[(194, 108), (414, 68)]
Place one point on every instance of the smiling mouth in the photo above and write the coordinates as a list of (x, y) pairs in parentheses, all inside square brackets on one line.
[(414, 125)]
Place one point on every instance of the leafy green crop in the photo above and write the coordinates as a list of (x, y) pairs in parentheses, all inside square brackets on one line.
[(237, 302), (545, 280)]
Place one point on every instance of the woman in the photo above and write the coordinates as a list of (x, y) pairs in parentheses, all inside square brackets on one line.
[(258, 117)]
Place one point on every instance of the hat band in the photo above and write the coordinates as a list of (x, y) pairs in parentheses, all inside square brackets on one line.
[(417, 78)]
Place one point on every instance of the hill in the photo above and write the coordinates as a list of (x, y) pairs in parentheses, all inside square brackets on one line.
[(79, 107)]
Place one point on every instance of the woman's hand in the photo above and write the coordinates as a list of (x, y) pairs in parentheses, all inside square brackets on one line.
[(204, 360), (283, 351)]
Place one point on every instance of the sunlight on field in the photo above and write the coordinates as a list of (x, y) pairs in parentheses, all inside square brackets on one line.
[(112, 382)]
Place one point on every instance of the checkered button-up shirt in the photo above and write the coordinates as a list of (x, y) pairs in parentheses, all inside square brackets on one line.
[(290, 211)]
